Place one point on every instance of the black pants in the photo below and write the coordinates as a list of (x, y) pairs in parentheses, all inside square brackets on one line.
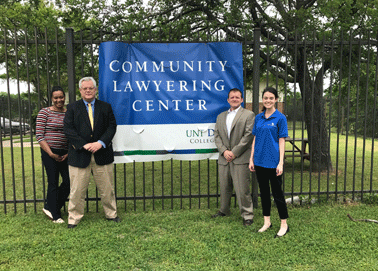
[(56, 195), (267, 177)]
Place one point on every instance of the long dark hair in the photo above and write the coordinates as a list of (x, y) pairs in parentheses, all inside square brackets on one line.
[(271, 90)]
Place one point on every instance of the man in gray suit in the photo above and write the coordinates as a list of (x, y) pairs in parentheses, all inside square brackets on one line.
[(233, 138)]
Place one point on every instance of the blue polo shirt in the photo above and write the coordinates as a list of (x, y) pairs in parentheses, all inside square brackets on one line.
[(267, 132)]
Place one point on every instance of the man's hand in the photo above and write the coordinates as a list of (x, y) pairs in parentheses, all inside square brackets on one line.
[(229, 155), (251, 165), (64, 157), (93, 147)]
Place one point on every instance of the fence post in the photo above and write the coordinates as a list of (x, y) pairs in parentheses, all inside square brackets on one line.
[(70, 65), (256, 70), (255, 98)]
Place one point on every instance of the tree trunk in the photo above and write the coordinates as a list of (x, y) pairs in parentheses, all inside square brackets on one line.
[(314, 107)]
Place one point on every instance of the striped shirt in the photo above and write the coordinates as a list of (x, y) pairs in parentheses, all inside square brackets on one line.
[(49, 127)]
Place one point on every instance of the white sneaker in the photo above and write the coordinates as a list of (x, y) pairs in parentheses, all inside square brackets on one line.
[(58, 221), (47, 213)]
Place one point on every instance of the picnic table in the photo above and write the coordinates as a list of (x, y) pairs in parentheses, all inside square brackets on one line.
[(299, 150)]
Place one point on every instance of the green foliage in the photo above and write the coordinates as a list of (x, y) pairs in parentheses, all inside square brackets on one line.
[(114, 17), (17, 108), (34, 63), (30, 14), (353, 98), (198, 20), (349, 13)]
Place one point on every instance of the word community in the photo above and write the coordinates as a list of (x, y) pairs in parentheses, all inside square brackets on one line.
[(163, 66)]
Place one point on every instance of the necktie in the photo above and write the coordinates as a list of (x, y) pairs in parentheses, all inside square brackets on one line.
[(90, 113)]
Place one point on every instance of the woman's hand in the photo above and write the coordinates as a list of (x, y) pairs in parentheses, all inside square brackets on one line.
[(56, 157), (279, 169)]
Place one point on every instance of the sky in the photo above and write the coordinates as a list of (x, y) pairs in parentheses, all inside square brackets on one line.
[(12, 86)]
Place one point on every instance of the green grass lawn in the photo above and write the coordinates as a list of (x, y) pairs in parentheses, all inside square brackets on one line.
[(354, 161), (321, 237), (354, 165)]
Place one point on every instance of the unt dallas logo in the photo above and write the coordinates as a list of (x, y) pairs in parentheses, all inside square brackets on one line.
[(200, 136)]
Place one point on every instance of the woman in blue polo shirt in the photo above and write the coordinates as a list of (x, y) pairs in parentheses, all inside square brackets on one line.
[(267, 158)]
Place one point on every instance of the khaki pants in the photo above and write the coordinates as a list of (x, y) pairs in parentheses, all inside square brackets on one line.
[(79, 177)]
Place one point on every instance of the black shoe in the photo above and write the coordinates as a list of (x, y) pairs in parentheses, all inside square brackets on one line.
[(71, 226), (277, 236), (116, 219), (247, 222), (219, 213)]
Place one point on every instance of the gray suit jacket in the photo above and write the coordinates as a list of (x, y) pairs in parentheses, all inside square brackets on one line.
[(240, 141)]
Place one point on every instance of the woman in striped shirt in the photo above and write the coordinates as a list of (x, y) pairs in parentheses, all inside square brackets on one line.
[(54, 149)]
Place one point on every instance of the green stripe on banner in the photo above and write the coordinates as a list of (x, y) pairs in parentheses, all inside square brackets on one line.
[(206, 150)]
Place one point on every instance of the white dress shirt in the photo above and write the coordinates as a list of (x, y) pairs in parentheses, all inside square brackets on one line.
[(230, 118)]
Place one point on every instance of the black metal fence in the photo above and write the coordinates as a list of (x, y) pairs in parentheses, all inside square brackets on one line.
[(328, 91)]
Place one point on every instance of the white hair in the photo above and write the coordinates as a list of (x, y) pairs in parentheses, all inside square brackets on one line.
[(87, 79)]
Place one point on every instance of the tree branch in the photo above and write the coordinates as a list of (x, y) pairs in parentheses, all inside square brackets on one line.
[(309, 3), (364, 220)]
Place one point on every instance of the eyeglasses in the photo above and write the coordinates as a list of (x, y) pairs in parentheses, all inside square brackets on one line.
[(91, 88)]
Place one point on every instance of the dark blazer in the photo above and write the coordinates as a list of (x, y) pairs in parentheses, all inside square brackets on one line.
[(240, 141), (79, 132)]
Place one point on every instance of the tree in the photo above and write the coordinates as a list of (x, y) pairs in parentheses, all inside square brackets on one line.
[(36, 53), (279, 20), (355, 97), (32, 62)]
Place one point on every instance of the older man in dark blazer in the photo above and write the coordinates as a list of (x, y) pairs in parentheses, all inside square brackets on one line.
[(233, 138), (90, 126)]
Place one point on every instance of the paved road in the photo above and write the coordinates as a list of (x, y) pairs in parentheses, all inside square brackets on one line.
[(18, 144)]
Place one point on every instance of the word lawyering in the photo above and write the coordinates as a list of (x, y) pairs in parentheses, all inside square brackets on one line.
[(169, 86)]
